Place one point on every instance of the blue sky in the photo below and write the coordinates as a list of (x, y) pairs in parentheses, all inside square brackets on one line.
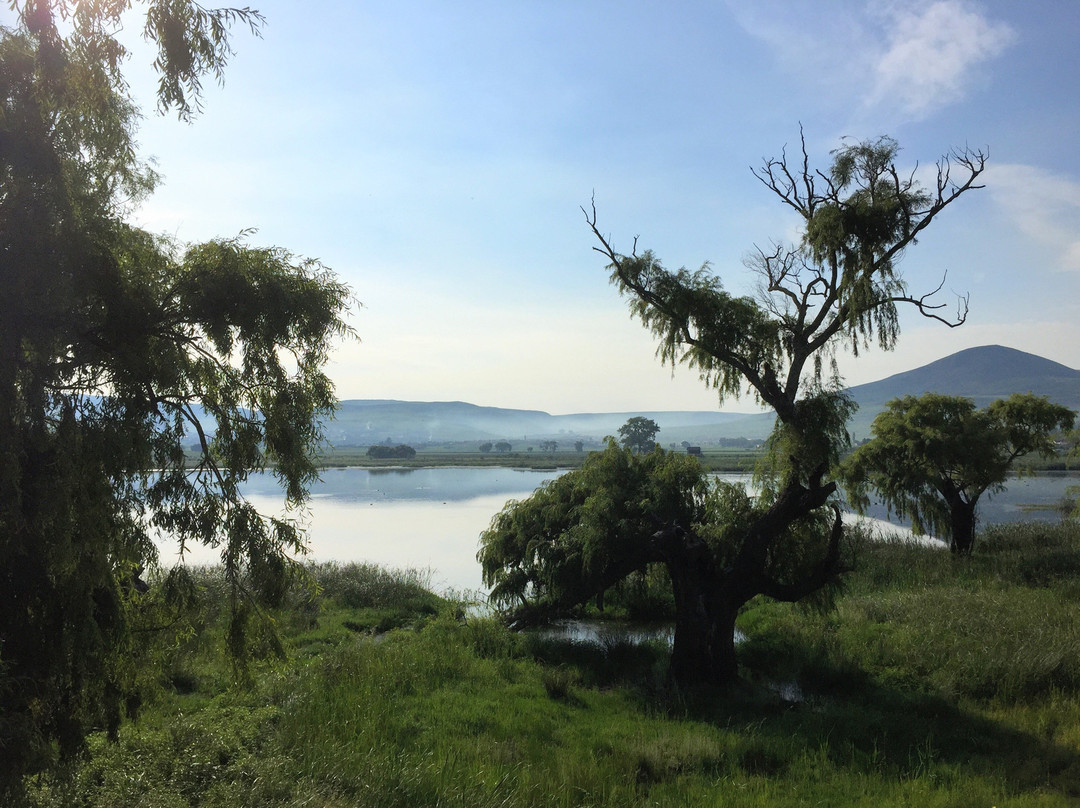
[(436, 155)]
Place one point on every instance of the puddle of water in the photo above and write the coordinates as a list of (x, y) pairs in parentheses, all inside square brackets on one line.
[(604, 632)]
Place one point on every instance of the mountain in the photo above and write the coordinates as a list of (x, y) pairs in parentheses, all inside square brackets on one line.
[(983, 374), (365, 422)]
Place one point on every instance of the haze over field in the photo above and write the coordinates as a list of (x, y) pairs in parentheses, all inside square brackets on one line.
[(436, 155), (983, 374)]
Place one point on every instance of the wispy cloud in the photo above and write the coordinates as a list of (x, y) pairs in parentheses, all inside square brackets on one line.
[(931, 52), (1044, 206), (911, 57)]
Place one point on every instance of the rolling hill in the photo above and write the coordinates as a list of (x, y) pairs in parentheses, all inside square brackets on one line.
[(983, 374), (364, 422)]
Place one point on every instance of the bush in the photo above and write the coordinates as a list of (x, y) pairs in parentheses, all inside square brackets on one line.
[(400, 452)]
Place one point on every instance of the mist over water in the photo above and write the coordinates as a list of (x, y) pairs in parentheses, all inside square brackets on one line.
[(432, 518)]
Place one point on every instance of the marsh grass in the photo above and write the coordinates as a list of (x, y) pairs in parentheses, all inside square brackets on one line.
[(934, 682)]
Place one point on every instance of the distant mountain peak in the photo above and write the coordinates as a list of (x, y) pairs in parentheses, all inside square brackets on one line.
[(983, 373)]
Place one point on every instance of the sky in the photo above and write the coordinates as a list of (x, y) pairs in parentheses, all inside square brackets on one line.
[(437, 156)]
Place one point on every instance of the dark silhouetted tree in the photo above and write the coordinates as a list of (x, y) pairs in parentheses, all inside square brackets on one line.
[(399, 452), (639, 434), (838, 284), (118, 350)]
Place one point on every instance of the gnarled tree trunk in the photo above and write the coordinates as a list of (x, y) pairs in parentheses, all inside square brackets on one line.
[(962, 525), (708, 599), (704, 647)]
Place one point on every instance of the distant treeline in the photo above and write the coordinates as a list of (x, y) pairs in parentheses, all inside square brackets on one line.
[(401, 451)]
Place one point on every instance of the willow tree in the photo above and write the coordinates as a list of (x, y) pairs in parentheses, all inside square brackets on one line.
[(840, 283), (119, 352), (932, 457)]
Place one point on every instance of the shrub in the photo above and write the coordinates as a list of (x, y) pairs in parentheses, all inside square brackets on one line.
[(401, 452)]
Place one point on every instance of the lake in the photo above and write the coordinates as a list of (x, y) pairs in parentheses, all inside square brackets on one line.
[(432, 518)]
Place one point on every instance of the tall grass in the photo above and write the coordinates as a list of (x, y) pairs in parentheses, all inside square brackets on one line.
[(934, 682)]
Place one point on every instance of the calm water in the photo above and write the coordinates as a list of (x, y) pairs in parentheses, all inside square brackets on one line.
[(432, 518)]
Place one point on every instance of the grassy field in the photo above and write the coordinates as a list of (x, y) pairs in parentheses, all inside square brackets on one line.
[(932, 682)]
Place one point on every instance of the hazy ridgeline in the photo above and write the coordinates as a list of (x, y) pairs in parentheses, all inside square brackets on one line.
[(932, 681)]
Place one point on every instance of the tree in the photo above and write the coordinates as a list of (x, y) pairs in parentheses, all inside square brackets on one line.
[(639, 434), (932, 457), (839, 284), (579, 446), (503, 446), (486, 446), (582, 532), (549, 446), (118, 349), (399, 452)]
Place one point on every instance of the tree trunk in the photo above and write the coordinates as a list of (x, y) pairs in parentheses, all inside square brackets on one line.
[(962, 522), (704, 647), (708, 599), (704, 652)]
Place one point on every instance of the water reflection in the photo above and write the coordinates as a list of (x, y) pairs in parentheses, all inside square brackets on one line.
[(608, 633), (432, 518), (427, 519), (417, 485)]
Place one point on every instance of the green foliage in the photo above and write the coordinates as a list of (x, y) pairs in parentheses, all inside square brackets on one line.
[(401, 451), (638, 434), (675, 305), (891, 700), (932, 457), (604, 529), (192, 41), (839, 283), (794, 452), (118, 350), (585, 530), (1000, 627)]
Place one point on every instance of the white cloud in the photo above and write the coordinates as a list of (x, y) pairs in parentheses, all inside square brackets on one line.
[(931, 53), (909, 57), (1043, 206)]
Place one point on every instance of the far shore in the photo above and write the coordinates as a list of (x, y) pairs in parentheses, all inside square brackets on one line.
[(713, 458)]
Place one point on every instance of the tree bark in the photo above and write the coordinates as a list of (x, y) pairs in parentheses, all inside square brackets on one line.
[(962, 525), (708, 599), (704, 647)]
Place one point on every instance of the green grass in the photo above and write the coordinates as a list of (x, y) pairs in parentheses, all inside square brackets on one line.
[(934, 682)]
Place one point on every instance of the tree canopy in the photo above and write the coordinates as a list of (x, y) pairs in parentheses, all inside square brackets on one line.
[(933, 456), (118, 348), (839, 283), (639, 434)]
